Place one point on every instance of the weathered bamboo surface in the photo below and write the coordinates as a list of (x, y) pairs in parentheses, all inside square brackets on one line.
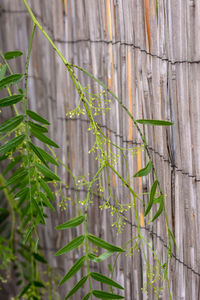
[(148, 53)]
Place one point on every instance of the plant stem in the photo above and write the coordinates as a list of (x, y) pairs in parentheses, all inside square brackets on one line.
[(27, 133)]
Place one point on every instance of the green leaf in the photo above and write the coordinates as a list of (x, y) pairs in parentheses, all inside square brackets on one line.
[(101, 243), (37, 127), (39, 210), (13, 143), (33, 115), (2, 71), (38, 284), (22, 192), (46, 189), (24, 290), (152, 195), (39, 258), (46, 172), (28, 234), (105, 295), (154, 122), (11, 79), (14, 179), (71, 223), (74, 269), (11, 124), (47, 156), (46, 201), (11, 100), (145, 171), (3, 157), (105, 279), (172, 236), (77, 287), (101, 257), (159, 211), (86, 297), (12, 54), (35, 150), (43, 138), (75, 243)]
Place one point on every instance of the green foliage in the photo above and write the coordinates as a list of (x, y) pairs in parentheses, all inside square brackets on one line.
[(76, 267), (105, 280), (154, 122), (10, 80), (71, 223), (12, 54)]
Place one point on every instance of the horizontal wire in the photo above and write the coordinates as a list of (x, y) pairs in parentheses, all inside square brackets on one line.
[(171, 61)]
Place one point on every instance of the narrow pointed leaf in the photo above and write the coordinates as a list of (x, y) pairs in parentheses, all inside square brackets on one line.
[(43, 138), (77, 287), (11, 79), (101, 243), (105, 279), (46, 189), (13, 143), (154, 122), (75, 243), (38, 284), (172, 236), (17, 178), (46, 201), (152, 195), (39, 258), (71, 223), (33, 115), (12, 54), (106, 295), (86, 297), (24, 290), (145, 171), (47, 156), (3, 157), (28, 234), (2, 71), (101, 257), (10, 100), (39, 210), (22, 193), (160, 210), (11, 124), (74, 269), (38, 127), (35, 150), (46, 172)]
